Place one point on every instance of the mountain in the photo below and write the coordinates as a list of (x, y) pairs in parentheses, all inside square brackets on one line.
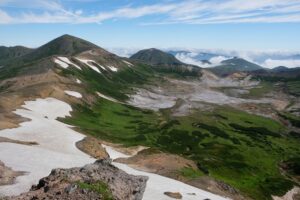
[(148, 105), (65, 45), (156, 57), (9, 53), (233, 65), (280, 69), (277, 73), (165, 62)]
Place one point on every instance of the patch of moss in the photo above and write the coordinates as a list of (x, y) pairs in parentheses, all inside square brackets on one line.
[(99, 187)]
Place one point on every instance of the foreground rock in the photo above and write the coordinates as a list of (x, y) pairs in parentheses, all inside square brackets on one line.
[(7, 175), (100, 180)]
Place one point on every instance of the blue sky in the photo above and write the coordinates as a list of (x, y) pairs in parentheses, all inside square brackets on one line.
[(206, 24)]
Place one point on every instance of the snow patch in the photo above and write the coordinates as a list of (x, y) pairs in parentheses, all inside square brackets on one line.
[(106, 97), (128, 63), (78, 81), (61, 63), (112, 68), (73, 93), (157, 185), (96, 69), (56, 141), (66, 60), (101, 67), (87, 62)]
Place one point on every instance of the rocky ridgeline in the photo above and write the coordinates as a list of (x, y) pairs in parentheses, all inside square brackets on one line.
[(100, 180)]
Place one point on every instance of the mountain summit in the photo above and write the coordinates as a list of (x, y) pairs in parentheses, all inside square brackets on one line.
[(233, 65), (156, 57), (165, 62), (66, 45)]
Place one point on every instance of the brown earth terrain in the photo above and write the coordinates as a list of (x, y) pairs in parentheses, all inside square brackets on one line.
[(93, 147), (4, 139), (7, 175), (169, 165)]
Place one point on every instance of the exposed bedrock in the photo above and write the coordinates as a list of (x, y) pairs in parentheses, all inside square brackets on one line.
[(100, 180)]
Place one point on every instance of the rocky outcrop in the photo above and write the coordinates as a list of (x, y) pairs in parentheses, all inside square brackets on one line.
[(100, 180)]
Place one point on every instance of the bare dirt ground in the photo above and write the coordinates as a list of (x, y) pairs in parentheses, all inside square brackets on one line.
[(169, 165), (4, 139), (197, 94), (93, 147), (7, 175), (31, 87), (158, 162)]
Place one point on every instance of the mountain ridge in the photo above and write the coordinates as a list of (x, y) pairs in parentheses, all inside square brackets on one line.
[(233, 65)]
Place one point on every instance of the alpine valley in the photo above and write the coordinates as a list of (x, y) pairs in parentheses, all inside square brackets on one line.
[(78, 122)]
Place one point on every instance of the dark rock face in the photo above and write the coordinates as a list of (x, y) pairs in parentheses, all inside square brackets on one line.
[(83, 183)]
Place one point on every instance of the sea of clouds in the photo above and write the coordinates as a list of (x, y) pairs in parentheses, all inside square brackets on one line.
[(267, 59)]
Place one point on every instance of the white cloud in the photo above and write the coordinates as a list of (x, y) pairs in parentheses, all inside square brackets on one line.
[(217, 60), (188, 58), (5, 18), (268, 59), (123, 52), (189, 11), (270, 63)]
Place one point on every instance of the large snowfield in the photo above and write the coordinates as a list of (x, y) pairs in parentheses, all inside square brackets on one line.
[(56, 144), (56, 149)]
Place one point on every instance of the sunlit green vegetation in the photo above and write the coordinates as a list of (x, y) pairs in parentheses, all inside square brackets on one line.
[(240, 149)]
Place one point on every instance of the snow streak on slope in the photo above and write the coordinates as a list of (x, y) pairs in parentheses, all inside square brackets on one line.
[(112, 68), (56, 144), (61, 63), (106, 97), (87, 62), (73, 94), (157, 185), (66, 60)]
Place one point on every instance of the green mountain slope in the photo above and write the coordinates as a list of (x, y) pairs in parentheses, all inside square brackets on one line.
[(233, 65), (156, 57), (243, 150), (165, 62), (9, 53)]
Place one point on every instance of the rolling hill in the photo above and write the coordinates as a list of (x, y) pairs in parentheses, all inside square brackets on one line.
[(165, 62), (9, 53), (233, 65)]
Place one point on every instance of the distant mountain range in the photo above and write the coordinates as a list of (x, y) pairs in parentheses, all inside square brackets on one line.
[(265, 59), (187, 115), (173, 60)]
